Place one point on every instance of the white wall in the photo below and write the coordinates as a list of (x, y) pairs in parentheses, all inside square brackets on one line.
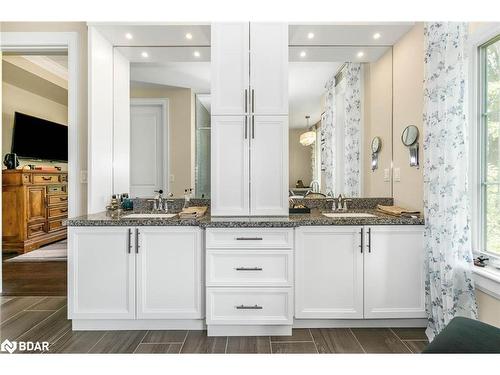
[(121, 126), (100, 146)]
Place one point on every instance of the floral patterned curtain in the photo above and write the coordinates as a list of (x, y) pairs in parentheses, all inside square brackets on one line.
[(449, 287), (327, 138), (352, 129)]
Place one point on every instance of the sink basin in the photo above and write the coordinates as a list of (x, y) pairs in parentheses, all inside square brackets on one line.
[(149, 216), (347, 214)]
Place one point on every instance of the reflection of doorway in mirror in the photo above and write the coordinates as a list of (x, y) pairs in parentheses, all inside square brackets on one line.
[(148, 147), (202, 165)]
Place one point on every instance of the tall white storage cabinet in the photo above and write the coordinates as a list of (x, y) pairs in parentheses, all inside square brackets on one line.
[(250, 93)]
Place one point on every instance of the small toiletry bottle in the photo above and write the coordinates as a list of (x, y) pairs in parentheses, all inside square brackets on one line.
[(186, 198)]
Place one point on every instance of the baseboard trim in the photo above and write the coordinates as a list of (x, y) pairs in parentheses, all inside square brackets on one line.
[(248, 330), (132, 324), (359, 323)]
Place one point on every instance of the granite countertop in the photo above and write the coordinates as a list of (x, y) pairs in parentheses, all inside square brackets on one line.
[(294, 220)]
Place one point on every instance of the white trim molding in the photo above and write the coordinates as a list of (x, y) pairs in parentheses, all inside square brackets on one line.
[(487, 280), (476, 39)]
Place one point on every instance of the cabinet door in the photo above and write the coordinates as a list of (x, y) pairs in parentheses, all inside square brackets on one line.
[(169, 273), (230, 165), (328, 273), (269, 165), (101, 279), (36, 203), (269, 68), (394, 272), (230, 76)]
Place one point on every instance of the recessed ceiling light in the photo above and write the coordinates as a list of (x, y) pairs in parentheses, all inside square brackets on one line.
[(196, 54), (310, 35), (361, 54), (189, 36), (303, 54), (144, 54), (128, 36), (376, 36)]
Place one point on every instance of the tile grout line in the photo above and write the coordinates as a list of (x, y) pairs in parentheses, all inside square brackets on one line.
[(357, 340), (98, 341), (40, 322), (292, 342), (396, 336), (19, 312), (185, 338), (314, 341), (227, 342), (140, 342)]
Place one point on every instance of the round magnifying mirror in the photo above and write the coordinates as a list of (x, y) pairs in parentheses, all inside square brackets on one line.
[(376, 144), (410, 135)]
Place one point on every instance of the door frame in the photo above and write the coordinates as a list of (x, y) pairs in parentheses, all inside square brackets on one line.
[(164, 104), (57, 41)]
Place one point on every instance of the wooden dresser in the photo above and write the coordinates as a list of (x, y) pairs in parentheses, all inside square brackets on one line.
[(35, 206)]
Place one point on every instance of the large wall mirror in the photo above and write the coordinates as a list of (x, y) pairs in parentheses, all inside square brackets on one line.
[(169, 94), (340, 99)]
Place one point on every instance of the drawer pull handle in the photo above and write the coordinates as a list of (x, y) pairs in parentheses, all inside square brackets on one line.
[(243, 307), (64, 210), (248, 238), (63, 198), (248, 268), (46, 178)]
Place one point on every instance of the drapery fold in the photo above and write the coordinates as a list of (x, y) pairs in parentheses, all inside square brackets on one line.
[(449, 287)]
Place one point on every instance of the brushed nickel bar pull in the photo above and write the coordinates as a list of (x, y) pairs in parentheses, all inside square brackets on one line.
[(248, 268), (369, 240), (246, 126), (129, 240), (249, 238), (243, 307), (361, 243), (253, 126), (246, 100), (136, 240), (253, 101)]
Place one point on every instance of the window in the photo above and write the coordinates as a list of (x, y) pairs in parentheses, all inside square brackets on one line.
[(490, 144)]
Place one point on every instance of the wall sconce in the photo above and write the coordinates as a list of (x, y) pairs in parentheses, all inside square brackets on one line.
[(376, 146), (409, 137)]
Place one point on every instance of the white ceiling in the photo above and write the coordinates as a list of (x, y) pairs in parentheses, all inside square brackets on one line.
[(156, 35), (344, 53), (193, 75), (162, 55), (306, 85), (355, 34)]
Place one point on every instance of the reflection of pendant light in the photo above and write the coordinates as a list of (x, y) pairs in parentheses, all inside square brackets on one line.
[(309, 137)]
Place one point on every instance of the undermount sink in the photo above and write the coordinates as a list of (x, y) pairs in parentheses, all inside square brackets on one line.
[(149, 216), (347, 214)]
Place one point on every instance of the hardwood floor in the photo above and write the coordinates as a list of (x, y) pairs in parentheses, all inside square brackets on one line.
[(36, 318), (34, 278)]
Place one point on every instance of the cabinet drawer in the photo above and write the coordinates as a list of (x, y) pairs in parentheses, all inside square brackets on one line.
[(58, 211), (234, 238), (45, 178), (57, 199), (57, 189), (249, 268), (57, 225), (249, 306), (35, 230)]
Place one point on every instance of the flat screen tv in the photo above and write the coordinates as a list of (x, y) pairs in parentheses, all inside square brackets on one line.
[(35, 138)]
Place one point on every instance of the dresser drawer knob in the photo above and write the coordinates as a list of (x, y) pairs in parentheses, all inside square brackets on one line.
[(243, 307), (248, 268)]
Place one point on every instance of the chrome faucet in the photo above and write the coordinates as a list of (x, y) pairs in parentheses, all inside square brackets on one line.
[(315, 186)]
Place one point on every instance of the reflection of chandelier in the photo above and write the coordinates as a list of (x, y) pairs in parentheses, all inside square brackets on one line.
[(309, 137)]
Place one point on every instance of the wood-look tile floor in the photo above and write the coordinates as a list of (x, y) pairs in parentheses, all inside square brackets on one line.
[(45, 319)]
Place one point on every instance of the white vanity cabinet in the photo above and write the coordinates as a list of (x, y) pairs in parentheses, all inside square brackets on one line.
[(101, 273), (328, 272), (394, 277), (135, 273), (341, 276), (249, 89)]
